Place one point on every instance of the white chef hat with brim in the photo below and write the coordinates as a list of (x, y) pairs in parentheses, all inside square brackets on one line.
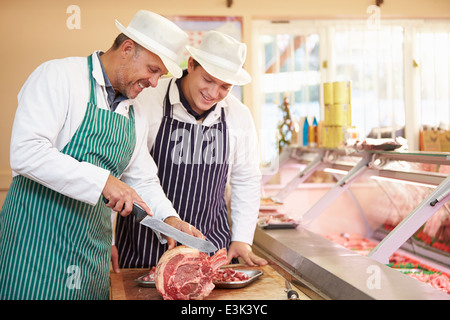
[(158, 35), (222, 57)]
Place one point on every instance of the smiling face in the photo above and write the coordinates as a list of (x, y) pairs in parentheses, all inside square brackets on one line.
[(139, 69), (202, 90)]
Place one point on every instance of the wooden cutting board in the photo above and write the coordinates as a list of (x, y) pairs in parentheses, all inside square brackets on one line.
[(269, 286)]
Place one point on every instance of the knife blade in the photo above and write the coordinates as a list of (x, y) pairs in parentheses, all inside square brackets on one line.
[(179, 236), (182, 237), (143, 218), (291, 293)]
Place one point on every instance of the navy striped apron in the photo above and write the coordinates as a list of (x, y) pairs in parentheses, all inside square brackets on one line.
[(56, 247), (192, 165)]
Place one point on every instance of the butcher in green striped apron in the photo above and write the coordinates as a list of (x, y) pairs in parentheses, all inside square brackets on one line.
[(56, 247), (68, 151)]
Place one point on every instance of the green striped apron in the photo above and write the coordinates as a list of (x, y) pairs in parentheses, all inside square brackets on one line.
[(53, 246)]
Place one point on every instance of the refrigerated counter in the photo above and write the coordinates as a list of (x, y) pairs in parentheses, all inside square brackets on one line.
[(357, 199)]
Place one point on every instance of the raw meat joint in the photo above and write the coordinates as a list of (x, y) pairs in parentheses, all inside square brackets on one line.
[(184, 273)]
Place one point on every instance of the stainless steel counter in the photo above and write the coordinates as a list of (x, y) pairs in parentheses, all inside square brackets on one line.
[(329, 271)]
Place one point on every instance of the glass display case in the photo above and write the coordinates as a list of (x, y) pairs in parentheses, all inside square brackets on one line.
[(376, 203)]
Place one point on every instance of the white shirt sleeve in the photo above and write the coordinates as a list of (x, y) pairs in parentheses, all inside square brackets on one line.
[(44, 104), (245, 177)]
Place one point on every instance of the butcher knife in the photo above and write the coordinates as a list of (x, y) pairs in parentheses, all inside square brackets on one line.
[(143, 218)]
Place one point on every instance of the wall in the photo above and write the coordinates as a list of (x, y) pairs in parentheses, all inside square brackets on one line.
[(35, 31)]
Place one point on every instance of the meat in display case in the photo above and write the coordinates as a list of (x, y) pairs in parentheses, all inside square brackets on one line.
[(386, 206)]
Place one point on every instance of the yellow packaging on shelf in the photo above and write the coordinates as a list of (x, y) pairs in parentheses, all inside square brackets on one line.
[(328, 115), (335, 136), (325, 137), (331, 139), (341, 92), (327, 93), (338, 115), (340, 136)]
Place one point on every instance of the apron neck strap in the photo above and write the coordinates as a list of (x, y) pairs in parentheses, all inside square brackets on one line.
[(222, 115), (167, 104), (93, 96)]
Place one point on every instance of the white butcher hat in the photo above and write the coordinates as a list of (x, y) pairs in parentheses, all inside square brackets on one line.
[(222, 57), (158, 35)]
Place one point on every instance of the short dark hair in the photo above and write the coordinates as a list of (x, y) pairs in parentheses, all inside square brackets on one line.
[(195, 62), (121, 38)]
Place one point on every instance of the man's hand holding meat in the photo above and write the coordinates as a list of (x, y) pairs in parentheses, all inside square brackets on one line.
[(182, 226), (244, 251)]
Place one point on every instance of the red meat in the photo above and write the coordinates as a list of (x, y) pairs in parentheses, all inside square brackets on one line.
[(229, 275), (184, 273)]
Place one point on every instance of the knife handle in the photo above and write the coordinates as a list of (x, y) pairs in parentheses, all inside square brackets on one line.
[(138, 212), (292, 294)]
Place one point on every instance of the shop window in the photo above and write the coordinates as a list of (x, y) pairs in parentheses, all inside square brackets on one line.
[(432, 61), (290, 71), (372, 59), (399, 73)]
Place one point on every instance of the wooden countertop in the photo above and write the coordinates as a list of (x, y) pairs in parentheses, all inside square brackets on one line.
[(269, 286)]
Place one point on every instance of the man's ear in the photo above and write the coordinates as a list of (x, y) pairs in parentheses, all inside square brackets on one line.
[(127, 48), (190, 64)]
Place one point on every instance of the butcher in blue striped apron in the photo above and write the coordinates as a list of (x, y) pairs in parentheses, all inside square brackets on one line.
[(192, 162), (197, 138)]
